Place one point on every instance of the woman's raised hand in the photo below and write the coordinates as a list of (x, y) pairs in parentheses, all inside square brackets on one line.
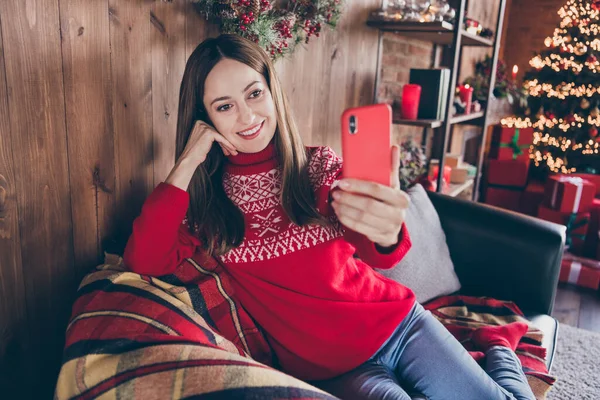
[(198, 145), (200, 142)]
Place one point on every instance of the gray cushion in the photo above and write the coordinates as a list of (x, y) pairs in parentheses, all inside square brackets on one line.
[(427, 267)]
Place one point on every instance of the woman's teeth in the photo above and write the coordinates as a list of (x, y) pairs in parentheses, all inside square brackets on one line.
[(250, 132)]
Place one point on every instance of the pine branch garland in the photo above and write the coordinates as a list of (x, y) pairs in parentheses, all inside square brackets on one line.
[(278, 30)]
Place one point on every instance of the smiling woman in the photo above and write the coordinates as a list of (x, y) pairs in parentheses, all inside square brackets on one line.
[(231, 95), (286, 228), (242, 112)]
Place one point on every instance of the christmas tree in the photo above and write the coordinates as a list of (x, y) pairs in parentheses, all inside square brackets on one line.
[(563, 89)]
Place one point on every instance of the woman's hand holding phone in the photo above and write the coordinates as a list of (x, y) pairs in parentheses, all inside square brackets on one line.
[(373, 209)]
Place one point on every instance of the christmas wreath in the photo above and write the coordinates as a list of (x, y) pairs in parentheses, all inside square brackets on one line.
[(277, 29)]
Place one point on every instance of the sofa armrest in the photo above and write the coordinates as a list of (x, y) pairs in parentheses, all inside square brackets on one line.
[(502, 254)]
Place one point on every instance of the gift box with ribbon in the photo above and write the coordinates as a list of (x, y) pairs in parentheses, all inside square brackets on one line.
[(503, 197), (577, 226), (511, 143), (580, 272), (507, 172), (569, 194)]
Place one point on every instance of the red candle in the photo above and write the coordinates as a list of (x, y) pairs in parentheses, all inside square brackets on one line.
[(411, 94), (515, 70), (466, 96)]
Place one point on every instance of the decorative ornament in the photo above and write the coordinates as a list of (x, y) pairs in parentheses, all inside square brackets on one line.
[(276, 29), (550, 115), (592, 59), (595, 112), (593, 132), (575, 22), (570, 118), (585, 104), (596, 5)]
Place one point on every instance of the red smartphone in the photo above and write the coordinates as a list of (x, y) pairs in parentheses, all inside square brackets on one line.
[(367, 143)]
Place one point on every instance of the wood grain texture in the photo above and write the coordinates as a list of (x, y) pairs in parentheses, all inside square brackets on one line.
[(13, 313), (88, 103), (88, 111), (168, 64), (32, 56), (131, 67), (336, 71)]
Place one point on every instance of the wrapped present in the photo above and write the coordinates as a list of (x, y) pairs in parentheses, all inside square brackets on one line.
[(580, 273), (595, 179), (511, 143), (507, 172), (503, 197), (569, 194), (453, 160), (532, 197), (592, 240), (577, 226), (459, 174)]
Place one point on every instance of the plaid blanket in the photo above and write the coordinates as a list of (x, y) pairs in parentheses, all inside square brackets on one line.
[(137, 337), (461, 315), (184, 335)]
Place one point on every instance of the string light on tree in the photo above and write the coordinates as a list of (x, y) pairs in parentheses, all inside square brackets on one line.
[(563, 87)]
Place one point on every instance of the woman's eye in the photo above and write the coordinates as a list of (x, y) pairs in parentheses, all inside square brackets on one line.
[(256, 93), (224, 107)]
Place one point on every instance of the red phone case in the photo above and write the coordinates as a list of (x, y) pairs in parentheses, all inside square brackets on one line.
[(367, 153)]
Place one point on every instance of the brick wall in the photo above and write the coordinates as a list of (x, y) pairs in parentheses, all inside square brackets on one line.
[(399, 55), (529, 23)]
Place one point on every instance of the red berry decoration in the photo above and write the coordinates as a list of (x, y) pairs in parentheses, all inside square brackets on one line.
[(593, 132), (570, 118), (596, 5), (592, 59), (276, 26)]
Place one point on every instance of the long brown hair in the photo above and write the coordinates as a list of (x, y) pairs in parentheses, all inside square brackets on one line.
[(219, 221)]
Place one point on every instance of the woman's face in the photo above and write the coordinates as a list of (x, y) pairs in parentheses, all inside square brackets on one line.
[(240, 105)]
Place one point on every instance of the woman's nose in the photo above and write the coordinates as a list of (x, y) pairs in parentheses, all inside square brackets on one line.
[(246, 114)]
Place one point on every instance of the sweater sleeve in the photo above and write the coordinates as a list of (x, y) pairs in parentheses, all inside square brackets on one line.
[(325, 171), (160, 240)]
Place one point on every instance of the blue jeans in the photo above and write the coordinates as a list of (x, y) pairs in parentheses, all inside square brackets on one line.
[(422, 357)]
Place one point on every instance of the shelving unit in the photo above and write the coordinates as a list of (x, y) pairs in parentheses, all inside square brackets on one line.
[(455, 37)]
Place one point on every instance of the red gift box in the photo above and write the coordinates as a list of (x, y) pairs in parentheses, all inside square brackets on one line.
[(592, 240), (511, 143), (577, 225), (507, 172), (569, 194), (508, 199), (532, 197), (595, 179), (580, 273)]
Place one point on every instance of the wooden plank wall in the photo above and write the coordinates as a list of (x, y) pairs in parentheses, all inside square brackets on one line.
[(88, 109)]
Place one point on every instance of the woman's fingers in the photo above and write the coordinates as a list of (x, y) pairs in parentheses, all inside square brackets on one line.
[(370, 204), (355, 215), (225, 143), (377, 191)]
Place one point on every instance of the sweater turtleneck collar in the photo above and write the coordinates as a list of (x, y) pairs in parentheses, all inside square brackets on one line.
[(249, 163)]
